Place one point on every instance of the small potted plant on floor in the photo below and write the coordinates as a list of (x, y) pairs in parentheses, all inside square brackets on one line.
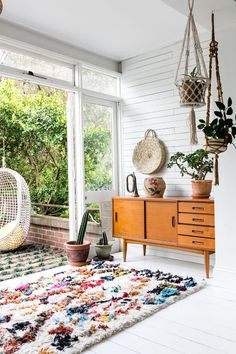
[(221, 131), (103, 247), (196, 165), (77, 251)]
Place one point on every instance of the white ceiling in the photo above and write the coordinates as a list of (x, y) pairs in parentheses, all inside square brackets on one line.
[(117, 29)]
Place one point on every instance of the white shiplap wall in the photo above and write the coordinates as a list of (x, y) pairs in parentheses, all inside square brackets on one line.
[(150, 100)]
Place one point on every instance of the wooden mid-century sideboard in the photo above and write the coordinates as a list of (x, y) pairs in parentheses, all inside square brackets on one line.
[(181, 223)]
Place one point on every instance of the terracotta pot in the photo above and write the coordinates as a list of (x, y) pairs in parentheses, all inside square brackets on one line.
[(103, 251), (201, 189), (77, 254), (154, 187)]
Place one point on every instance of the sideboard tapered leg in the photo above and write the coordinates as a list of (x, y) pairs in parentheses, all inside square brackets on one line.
[(124, 250)]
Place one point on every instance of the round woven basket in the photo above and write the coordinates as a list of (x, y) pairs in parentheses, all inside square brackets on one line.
[(149, 154)]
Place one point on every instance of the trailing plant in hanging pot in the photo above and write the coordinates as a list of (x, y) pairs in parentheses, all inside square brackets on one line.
[(77, 251), (197, 165), (103, 247), (221, 131)]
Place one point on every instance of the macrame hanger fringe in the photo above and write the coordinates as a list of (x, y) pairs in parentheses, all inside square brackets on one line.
[(193, 129)]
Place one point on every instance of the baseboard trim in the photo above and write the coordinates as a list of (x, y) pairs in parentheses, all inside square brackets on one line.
[(224, 277), (172, 253)]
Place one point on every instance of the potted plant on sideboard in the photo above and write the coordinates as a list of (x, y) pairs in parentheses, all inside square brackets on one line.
[(77, 251), (197, 165), (103, 247)]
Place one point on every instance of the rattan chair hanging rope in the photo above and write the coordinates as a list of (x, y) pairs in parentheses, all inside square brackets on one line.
[(214, 146), (193, 83)]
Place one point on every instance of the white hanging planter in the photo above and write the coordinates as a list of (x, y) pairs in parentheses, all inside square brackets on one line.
[(192, 92), (192, 83)]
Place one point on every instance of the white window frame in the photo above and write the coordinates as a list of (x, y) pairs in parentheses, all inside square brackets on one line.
[(74, 119)]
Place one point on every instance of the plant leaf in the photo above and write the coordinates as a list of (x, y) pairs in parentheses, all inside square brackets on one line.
[(234, 131), (220, 105), (201, 126), (229, 101), (218, 114), (229, 111)]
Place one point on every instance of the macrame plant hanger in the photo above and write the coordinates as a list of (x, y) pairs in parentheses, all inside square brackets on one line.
[(193, 83), (219, 146)]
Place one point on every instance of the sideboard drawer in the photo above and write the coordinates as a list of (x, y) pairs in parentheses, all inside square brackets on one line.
[(196, 242), (196, 230), (195, 207), (193, 219)]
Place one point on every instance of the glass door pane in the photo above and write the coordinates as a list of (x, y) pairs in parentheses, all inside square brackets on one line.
[(98, 120)]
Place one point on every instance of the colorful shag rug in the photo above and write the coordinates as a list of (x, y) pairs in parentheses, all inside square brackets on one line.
[(72, 310), (29, 259)]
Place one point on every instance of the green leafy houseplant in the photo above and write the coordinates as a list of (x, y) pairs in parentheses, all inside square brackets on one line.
[(197, 165), (193, 73), (103, 247), (223, 126)]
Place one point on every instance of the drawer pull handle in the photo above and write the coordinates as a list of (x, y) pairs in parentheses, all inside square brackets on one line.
[(197, 231), (116, 216), (173, 221), (198, 242), (198, 208), (200, 220)]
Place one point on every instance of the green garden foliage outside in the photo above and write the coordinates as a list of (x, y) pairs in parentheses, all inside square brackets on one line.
[(33, 124)]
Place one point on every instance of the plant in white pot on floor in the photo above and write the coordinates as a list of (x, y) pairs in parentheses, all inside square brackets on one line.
[(77, 251), (197, 165), (103, 247)]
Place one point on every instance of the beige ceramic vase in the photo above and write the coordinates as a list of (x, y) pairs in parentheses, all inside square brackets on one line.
[(154, 187)]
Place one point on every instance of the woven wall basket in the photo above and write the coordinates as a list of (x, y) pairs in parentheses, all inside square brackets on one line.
[(149, 154)]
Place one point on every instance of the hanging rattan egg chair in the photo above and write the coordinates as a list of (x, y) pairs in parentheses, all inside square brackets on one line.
[(14, 209)]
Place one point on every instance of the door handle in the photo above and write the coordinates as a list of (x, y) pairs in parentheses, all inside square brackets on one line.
[(198, 242), (116, 216), (200, 220), (173, 221)]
